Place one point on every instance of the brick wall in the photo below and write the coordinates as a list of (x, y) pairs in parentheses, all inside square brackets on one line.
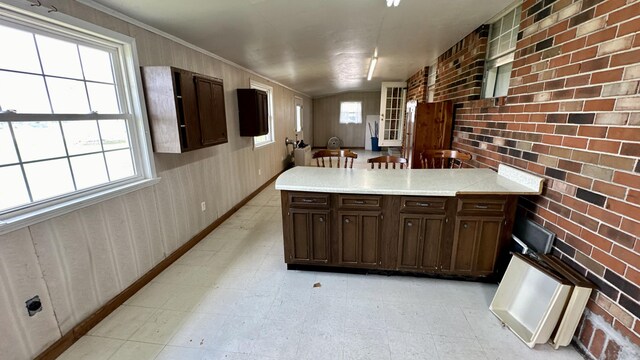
[(417, 85), (572, 115), (459, 70)]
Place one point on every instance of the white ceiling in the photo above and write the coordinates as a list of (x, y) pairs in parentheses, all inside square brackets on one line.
[(318, 47)]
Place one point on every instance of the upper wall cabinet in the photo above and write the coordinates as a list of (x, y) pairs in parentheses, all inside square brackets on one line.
[(186, 110), (253, 111)]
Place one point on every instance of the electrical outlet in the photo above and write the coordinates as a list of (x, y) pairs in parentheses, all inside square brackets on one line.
[(259, 171), (203, 206)]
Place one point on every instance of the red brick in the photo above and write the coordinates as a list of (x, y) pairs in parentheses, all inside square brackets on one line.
[(629, 57), (552, 139), (633, 276), (608, 261), (604, 215), (609, 6), (625, 332), (624, 208), (625, 255), (559, 27), (633, 196), (536, 168), (560, 60), (587, 333), (612, 351), (599, 105), (581, 181), (597, 240), (607, 76), (624, 14), (629, 27), (624, 133), (566, 36), (584, 54), (574, 142), (626, 179), (580, 80), (604, 145), (597, 343), (609, 189), (592, 131), (602, 36), (630, 226), (596, 309), (568, 70)]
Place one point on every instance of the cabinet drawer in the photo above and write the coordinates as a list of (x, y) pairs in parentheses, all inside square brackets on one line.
[(309, 200), (423, 204), (482, 205), (360, 202)]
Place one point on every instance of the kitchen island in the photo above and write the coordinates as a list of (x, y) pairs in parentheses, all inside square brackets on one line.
[(436, 221)]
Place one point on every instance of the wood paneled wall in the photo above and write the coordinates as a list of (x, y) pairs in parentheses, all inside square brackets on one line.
[(78, 261), (326, 118)]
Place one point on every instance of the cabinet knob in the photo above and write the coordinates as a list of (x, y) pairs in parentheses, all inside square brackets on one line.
[(481, 206), (359, 202), (424, 204), (347, 221), (321, 219), (465, 225), (409, 224)]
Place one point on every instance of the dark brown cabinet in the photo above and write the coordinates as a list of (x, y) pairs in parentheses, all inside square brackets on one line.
[(186, 110), (309, 233), (462, 236), (479, 234), (420, 242), (253, 111), (429, 127), (359, 238), (307, 228)]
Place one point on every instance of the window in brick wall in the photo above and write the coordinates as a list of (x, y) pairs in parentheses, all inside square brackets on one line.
[(431, 81), (503, 36)]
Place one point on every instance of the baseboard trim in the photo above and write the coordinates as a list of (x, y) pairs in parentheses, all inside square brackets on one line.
[(68, 339)]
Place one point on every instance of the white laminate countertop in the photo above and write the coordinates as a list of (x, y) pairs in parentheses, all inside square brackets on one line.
[(425, 182)]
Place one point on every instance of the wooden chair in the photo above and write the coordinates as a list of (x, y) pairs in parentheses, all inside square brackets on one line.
[(386, 160), (348, 156), (443, 159)]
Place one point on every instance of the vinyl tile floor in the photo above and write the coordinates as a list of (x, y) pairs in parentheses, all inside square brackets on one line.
[(231, 297)]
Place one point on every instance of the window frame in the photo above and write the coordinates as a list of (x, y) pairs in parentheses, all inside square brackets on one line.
[(271, 134), (129, 94), (494, 61), (341, 112)]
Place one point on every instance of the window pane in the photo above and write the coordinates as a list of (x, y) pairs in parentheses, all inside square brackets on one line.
[(68, 96), (507, 21), (81, 136), (49, 178), (103, 98), (495, 30), (39, 140), (7, 149), (59, 58), (89, 170), (502, 79), (114, 134), (505, 43), (119, 163), (13, 192), (23, 55), (23, 93), (96, 64)]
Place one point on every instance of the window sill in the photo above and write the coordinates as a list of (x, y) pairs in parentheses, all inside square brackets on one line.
[(49, 212), (263, 144)]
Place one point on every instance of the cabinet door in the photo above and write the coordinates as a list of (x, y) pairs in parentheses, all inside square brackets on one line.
[(263, 112), (359, 238), (309, 236), (187, 109), (213, 122), (421, 241), (476, 244)]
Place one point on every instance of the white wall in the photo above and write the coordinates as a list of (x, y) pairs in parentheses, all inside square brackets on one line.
[(78, 261)]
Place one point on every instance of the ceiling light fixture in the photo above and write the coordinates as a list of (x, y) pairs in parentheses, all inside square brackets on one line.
[(393, 3), (372, 67)]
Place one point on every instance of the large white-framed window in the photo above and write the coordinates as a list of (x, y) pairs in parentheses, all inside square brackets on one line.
[(267, 139), (72, 126), (503, 36), (350, 112)]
